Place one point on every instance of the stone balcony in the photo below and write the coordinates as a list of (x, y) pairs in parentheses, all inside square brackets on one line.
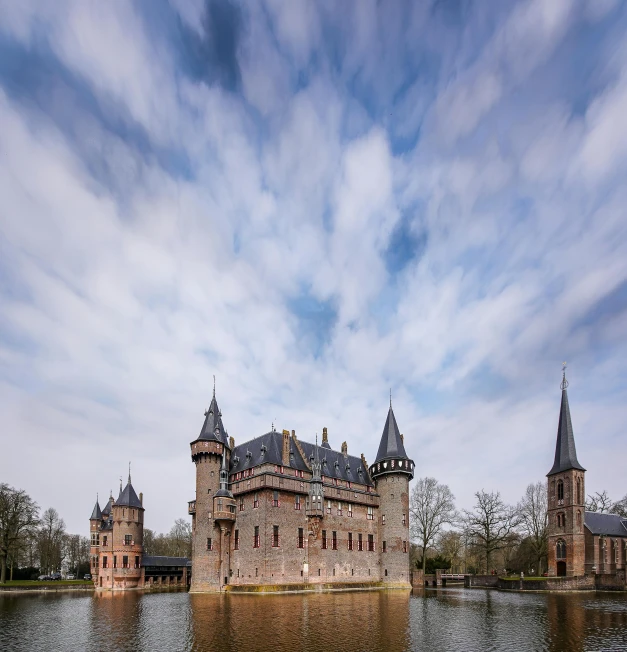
[(224, 509), (191, 507)]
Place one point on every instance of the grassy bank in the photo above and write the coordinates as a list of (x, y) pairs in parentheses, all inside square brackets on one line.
[(51, 583)]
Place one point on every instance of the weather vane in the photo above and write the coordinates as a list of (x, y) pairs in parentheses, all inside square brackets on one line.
[(564, 383)]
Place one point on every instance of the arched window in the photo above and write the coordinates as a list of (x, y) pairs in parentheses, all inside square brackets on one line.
[(579, 518), (561, 549), (579, 491), (615, 551), (560, 490)]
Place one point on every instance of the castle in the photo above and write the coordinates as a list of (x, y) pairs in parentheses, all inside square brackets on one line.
[(581, 543), (279, 511)]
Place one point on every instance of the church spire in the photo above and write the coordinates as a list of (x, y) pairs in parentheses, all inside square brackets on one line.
[(213, 429), (565, 452)]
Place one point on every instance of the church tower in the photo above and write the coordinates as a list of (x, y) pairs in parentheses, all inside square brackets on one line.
[(392, 471), (566, 503), (213, 511)]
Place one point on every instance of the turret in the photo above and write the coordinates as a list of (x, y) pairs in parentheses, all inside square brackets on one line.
[(566, 503), (392, 471), (315, 500), (95, 521)]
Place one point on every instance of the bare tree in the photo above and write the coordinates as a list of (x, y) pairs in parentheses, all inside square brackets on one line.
[(431, 507), (599, 502), (490, 523), (181, 538), (18, 518), (450, 544), (51, 541), (620, 507), (533, 513)]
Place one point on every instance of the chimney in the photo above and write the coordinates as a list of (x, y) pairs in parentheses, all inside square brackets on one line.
[(141, 498), (286, 448), (403, 438), (293, 434), (231, 443), (325, 436), (344, 449)]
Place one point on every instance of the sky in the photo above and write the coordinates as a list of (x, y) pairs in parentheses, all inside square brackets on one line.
[(316, 202)]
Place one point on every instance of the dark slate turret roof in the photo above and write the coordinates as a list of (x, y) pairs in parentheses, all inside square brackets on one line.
[(213, 429), (96, 515), (611, 525), (107, 509), (152, 560), (565, 453), (128, 497), (391, 445)]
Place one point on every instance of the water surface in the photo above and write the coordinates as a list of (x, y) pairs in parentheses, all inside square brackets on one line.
[(442, 619)]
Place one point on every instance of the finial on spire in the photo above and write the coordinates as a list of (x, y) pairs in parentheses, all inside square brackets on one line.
[(129, 472), (120, 484), (214, 385), (564, 383), (390, 397)]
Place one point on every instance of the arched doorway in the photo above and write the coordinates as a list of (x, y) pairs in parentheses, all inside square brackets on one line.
[(561, 569), (560, 556)]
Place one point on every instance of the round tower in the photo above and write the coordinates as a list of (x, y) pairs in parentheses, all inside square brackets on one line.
[(95, 523), (392, 471), (211, 455)]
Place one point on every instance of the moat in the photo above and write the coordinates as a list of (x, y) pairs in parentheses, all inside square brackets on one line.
[(442, 619)]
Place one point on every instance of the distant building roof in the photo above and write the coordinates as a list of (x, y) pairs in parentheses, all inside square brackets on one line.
[(149, 560), (611, 525), (565, 453)]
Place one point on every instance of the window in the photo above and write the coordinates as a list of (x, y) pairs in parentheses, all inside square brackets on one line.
[(334, 540), (604, 551), (579, 491), (219, 504), (371, 543), (115, 561), (241, 503), (339, 509), (297, 502), (256, 537), (104, 561), (104, 540), (560, 490), (125, 561), (404, 546), (236, 540), (579, 519), (360, 543), (350, 510), (275, 536), (136, 562), (209, 544), (561, 549), (350, 540), (328, 506), (301, 537), (404, 519), (324, 539), (383, 519), (256, 501), (127, 539), (370, 513), (275, 499), (615, 551), (385, 547)]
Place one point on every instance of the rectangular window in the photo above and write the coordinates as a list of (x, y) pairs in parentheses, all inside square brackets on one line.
[(328, 506), (339, 509), (115, 561), (404, 546), (256, 541), (136, 562), (297, 502), (350, 510), (334, 540), (127, 539), (350, 540), (256, 501), (301, 537), (125, 561), (383, 519), (275, 499), (236, 540), (371, 543), (324, 539), (104, 561), (404, 519), (275, 536), (209, 544), (385, 547), (104, 540), (241, 503), (370, 513), (360, 542)]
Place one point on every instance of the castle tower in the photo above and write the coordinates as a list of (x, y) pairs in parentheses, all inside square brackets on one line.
[(392, 471), (95, 521), (127, 538), (211, 511), (566, 508)]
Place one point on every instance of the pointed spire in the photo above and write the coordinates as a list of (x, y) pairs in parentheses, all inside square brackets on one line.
[(213, 429), (96, 514), (390, 398), (214, 385), (129, 472), (565, 451), (391, 445)]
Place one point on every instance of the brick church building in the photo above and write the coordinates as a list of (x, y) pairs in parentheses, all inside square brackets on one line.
[(580, 542), (276, 510)]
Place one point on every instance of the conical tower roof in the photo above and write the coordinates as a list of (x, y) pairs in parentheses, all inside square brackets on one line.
[(391, 445), (213, 428), (107, 508), (565, 452), (96, 514), (128, 497)]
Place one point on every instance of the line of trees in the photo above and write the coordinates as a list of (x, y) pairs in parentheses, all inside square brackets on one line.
[(176, 543), (36, 543), (492, 535)]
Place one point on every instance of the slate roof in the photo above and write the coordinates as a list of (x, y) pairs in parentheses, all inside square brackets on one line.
[(565, 453), (268, 449), (609, 524), (391, 445), (107, 508), (213, 429), (128, 497), (164, 561), (96, 514)]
